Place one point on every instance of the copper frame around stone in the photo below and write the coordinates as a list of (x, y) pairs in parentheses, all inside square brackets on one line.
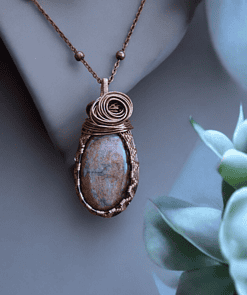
[(129, 145)]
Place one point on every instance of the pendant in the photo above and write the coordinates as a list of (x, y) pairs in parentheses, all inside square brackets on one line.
[(106, 169)]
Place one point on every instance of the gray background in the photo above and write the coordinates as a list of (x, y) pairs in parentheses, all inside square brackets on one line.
[(60, 86), (50, 244)]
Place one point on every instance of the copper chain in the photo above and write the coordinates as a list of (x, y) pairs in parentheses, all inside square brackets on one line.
[(125, 44)]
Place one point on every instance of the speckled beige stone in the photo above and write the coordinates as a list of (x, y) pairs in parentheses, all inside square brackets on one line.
[(104, 171)]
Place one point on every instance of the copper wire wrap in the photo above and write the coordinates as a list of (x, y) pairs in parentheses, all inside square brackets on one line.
[(129, 144), (109, 114)]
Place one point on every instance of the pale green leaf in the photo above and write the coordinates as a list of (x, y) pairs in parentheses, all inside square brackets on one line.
[(233, 229), (233, 238), (165, 246), (238, 271), (198, 128), (227, 190), (198, 225), (240, 137), (240, 120), (233, 168), (218, 142)]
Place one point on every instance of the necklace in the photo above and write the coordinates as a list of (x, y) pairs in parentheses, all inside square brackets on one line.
[(106, 171)]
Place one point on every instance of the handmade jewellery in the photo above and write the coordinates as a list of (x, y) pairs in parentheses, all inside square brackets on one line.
[(106, 169)]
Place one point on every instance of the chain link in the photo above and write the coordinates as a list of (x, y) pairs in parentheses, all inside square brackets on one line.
[(125, 44)]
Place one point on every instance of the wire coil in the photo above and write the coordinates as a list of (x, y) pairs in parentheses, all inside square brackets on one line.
[(109, 114)]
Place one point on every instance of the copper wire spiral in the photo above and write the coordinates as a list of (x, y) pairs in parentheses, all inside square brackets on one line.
[(109, 114)]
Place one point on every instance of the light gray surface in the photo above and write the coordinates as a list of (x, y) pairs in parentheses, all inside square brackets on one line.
[(228, 26), (60, 86), (50, 244)]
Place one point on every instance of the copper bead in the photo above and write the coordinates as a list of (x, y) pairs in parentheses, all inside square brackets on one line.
[(120, 55), (79, 55)]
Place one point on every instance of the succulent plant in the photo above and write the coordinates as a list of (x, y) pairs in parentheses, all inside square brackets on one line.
[(208, 245), (233, 166)]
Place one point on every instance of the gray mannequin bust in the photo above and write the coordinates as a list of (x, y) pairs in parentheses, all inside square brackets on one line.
[(62, 87)]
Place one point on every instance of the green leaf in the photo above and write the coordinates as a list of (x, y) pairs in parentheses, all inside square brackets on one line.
[(233, 238), (212, 280), (218, 142), (165, 246), (198, 225), (233, 168)]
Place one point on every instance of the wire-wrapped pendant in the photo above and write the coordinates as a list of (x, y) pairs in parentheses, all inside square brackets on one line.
[(106, 169)]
